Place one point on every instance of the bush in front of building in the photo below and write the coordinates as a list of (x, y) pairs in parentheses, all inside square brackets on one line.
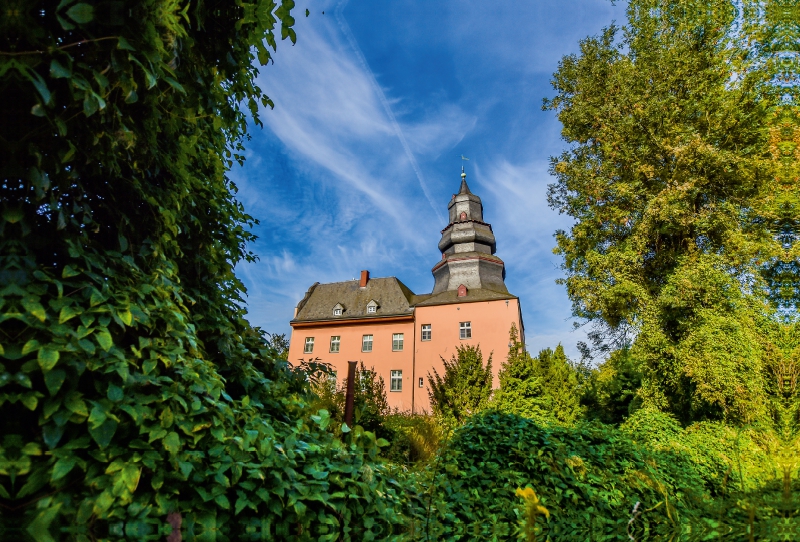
[(465, 387)]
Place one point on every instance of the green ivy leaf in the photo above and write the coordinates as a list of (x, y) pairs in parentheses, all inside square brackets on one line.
[(68, 312), (62, 467), (104, 339), (57, 71), (172, 442), (30, 346), (115, 393), (35, 308), (103, 433), (47, 358), (54, 380), (81, 13)]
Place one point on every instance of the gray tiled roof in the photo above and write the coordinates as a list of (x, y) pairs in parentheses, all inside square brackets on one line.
[(393, 298), (474, 294)]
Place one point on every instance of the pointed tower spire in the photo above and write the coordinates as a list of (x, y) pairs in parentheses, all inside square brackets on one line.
[(464, 188), (468, 248)]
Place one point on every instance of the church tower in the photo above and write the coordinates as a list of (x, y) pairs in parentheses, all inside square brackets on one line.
[(468, 246)]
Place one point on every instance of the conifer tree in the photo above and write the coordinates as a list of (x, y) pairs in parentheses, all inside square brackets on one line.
[(465, 387), (544, 388)]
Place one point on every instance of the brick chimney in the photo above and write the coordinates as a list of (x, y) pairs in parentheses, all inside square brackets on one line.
[(364, 279)]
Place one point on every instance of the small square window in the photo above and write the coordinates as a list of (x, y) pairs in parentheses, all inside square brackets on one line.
[(335, 344), (337, 312), (426, 332), (465, 329), (421, 382), (309, 346), (371, 309), (397, 342), (396, 382), (366, 343)]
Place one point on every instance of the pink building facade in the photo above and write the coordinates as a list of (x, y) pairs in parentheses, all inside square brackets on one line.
[(403, 336)]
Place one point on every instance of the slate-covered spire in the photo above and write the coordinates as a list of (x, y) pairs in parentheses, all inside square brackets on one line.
[(468, 246)]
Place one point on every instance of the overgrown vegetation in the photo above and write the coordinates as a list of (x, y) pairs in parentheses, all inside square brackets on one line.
[(135, 396), (138, 401)]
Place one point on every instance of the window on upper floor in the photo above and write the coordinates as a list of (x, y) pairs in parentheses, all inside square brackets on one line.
[(366, 343), (421, 382), (335, 340), (308, 348), (426, 332), (465, 330), (397, 342), (371, 309), (396, 382), (337, 312)]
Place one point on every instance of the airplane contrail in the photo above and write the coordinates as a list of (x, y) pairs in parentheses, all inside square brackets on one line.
[(379, 91)]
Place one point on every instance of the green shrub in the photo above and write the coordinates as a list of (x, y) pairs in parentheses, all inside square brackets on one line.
[(464, 388), (590, 477), (135, 395)]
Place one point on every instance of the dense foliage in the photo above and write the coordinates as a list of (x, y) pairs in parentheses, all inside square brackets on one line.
[(137, 400), (545, 387), (135, 396), (464, 388)]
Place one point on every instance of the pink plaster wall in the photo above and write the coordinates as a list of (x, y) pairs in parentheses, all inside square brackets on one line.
[(491, 322), (382, 358)]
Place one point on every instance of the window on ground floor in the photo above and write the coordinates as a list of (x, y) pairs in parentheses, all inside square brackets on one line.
[(396, 382)]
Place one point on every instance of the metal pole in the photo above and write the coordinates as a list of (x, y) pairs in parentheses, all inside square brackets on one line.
[(348, 398)]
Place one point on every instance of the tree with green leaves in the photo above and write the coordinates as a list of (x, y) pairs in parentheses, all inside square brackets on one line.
[(611, 391), (668, 179), (133, 390), (544, 388), (465, 387)]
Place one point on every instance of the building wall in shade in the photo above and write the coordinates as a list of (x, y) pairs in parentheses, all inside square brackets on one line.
[(382, 358)]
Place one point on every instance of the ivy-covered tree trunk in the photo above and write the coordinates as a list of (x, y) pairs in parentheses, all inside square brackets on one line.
[(131, 385)]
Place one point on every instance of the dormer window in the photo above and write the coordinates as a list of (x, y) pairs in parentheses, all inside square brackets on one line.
[(338, 310), (372, 307)]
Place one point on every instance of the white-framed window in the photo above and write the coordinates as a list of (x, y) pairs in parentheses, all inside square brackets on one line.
[(337, 312), (397, 342), (396, 381), (371, 309), (421, 382), (366, 343), (426, 332), (308, 348), (465, 330), (335, 339)]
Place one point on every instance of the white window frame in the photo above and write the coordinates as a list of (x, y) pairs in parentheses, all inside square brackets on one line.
[(465, 330), (364, 343), (372, 309), (396, 380), (308, 347), (337, 312), (426, 328), (337, 341), (421, 382), (397, 342)]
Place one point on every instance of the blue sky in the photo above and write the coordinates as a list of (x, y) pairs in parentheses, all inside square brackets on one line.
[(374, 106)]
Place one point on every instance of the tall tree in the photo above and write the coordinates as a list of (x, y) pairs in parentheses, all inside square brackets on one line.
[(666, 176), (546, 387), (465, 387)]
